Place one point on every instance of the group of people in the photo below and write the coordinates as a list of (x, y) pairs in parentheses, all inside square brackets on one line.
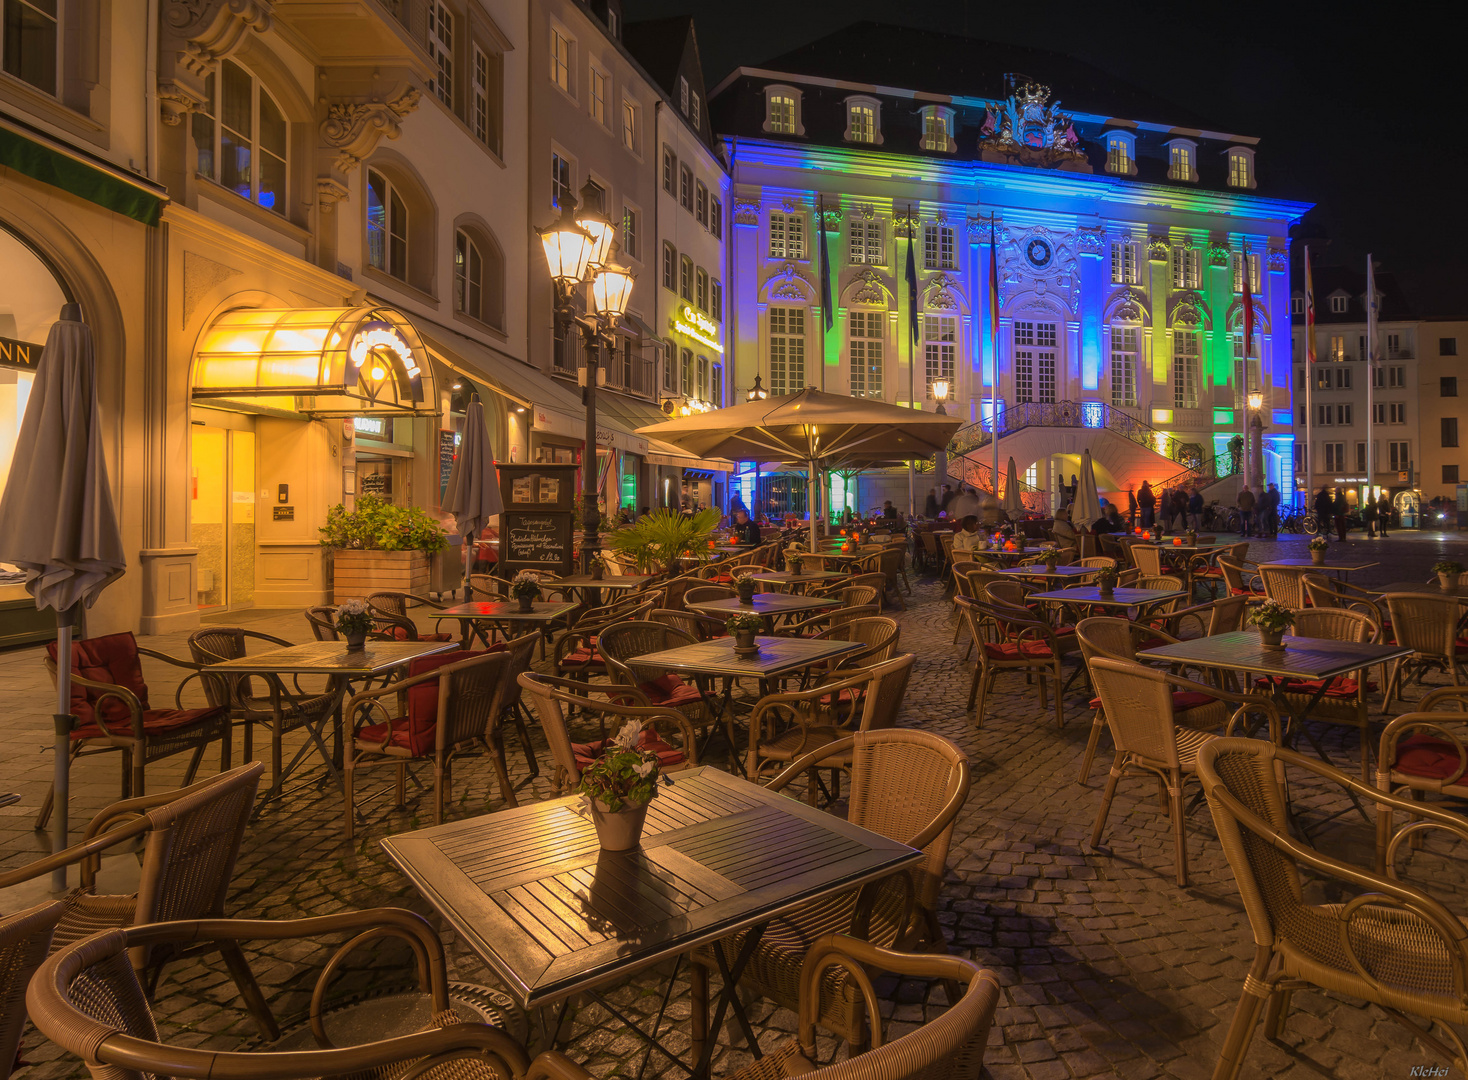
[(1331, 506), (1174, 510), (1259, 514)]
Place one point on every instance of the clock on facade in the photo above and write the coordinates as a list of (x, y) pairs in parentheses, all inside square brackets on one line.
[(1038, 252)]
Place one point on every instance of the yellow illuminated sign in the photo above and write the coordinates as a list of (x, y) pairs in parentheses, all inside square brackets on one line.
[(695, 324)]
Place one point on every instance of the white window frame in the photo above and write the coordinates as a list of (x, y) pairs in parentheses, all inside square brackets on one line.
[(440, 43), (1187, 267), (1236, 261), (940, 352), (468, 276), (479, 94), (1126, 349), (1121, 153), (937, 123), (631, 126), (1182, 160), (670, 171), (1126, 262), (1399, 453), (695, 110), (58, 22), (716, 299), (860, 105), (1339, 305), (866, 334), (683, 95), (940, 249), (1186, 368), (865, 241), (788, 236), (557, 155), (1241, 168), (670, 266), (562, 60), (598, 84), (789, 326), (716, 216), (216, 128), (795, 127), (631, 231), (396, 228)]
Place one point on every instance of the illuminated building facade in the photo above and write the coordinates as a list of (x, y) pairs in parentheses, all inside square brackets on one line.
[(1118, 237)]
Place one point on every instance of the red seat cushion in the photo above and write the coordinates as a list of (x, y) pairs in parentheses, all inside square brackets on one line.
[(407, 734), (1426, 756), (587, 654), (1016, 650), (112, 658), (400, 633), (668, 756), (155, 722), (1181, 700), (1340, 688), (423, 698), (669, 690)]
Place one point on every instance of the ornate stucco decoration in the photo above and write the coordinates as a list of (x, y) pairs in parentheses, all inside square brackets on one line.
[(1279, 259), (941, 293), (904, 224), (1091, 240), (867, 287), (1188, 310), (978, 227), (1127, 304), (1158, 249), (1031, 129), (1219, 255), (788, 283), (831, 220), (789, 205), (746, 213), (353, 129), (198, 33), (1041, 261), (866, 210)]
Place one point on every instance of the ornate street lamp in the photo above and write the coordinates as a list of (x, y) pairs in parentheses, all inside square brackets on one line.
[(940, 395), (578, 251), (1254, 439), (757, 392)]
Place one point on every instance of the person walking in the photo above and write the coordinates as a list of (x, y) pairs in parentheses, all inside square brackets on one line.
[(1147, 502), (930, 505), (1270, 520), (1131, 509), (1383, 512), (1246, 505), (1368, 518), (1195, 509), (1342, 510), (1324, 507), (1179, 509)]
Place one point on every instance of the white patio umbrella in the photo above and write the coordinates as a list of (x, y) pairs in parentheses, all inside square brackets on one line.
[(1012, 504), (815, 429), (57, 522), (1087, 509), (473, 493)]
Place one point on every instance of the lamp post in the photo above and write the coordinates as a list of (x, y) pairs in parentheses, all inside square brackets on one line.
[(757, 392), (940, 460), (1253, 442), (578, 251)]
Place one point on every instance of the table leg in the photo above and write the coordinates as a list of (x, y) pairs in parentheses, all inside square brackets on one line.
[(729, 997)]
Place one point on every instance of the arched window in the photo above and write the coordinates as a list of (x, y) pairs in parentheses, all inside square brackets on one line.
[(387, 226), (479, 276), (242, 137)]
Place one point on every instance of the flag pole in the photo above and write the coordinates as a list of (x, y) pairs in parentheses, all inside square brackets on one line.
[(1371, 357), (911, 362), (1309, 380), (994, 356)]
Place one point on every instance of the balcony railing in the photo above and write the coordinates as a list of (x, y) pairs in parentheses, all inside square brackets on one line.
[(1076, 414)]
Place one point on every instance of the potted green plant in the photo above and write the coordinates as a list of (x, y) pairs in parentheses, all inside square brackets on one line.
[(1318, 545), (1447, 573), (658, 540), (1273, 619), (380, 546), (744, 586), (354, 623), (793, 561), (618, 785), (1106, 580), (743, 627), (526, 589), (1052, 560), (598, 566)]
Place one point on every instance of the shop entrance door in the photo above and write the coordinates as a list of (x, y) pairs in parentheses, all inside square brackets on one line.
[(222, 519)]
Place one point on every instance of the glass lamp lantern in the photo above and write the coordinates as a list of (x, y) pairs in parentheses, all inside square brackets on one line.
[(611, 290), (757, 392), (596, 223), (568, 249), (1256, 400)]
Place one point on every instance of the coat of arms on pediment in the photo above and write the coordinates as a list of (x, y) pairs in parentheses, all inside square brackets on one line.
[(1029, 127)]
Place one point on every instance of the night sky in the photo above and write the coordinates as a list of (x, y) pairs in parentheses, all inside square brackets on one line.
[(1359, 109)]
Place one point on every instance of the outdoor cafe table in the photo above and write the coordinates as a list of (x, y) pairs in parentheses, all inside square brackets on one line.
[(532, 894), (1343, 569), (770, 605), (1090, 596), (590, 589), (1302, 659), (1431, 588), (1060, 573), (499, 613), (814, 577), (342, 666)]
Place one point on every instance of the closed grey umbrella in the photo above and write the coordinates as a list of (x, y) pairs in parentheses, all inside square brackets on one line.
[(473, 493), (1087, 509), (1013, 504), (57, 522)]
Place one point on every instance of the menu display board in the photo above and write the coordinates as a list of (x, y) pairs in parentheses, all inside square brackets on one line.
[(536, 541), (447, 445)]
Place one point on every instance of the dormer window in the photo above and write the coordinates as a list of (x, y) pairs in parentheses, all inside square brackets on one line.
[(1240, 167), (683, 95), (863, 120), (1121, 158), (1339, 304), (782, 111), (1182, 160), (938, 130)]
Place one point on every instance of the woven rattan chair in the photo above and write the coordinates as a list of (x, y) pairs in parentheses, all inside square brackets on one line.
[(1139, 710), (25, 939), (1098, 562), (1147, 558), (702, 594), (1282, 584), (1324, 592), (576, 654), (1427, 625), (1007, 590), (1203, 568), (790, 724), (191, 838), (390, 611), (890, 562), (1393, 945), (878, 635), (696, 625), (1422, 753), (1222, 616), (666, 732), (87, 1001), (906, 785), (1012, 639), (522, 655), (624, 642), (322, 621), (1239, 581), (447, 704), (262, 699)]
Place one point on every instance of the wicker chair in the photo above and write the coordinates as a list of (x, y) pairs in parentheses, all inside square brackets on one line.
[(86, 1000), (1221, 616), (191, 838), (113, 712), (1282, 584), (554, 698), (702, 594), (576, 653), (889, 560), (696, 625), (1324, 592), (1422, 753), (1119, 639), (1393, 946), (1019, 641), (322, 621), (25, 939), (1147, 558), (1098, 562), (1427, 625), (1139, 710), (900, 546), (906, 785), (448, 703), (390, 611), (1238, 580), (790, 724), (261, 699), (878, 635), (1203, 568)]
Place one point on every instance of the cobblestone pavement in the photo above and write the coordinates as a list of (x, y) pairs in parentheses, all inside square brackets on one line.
[(1108, 967)]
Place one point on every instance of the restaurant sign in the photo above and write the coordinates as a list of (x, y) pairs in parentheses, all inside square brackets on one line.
[(693, 323), (25, 355)]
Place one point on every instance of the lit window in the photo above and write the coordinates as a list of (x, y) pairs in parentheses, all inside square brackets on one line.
[(629, 126), (1238, 262), (940, 338), (1185, 364), (241, 136), (387, 227), (866, 353), (1124, 365), (1187, 268), (560, 70), (938, 247), (31, 42), (937, 131), (1034, 361), (598, 96), (1119, 154), (629, 232), (787, 236), (1240, 170), (787, 350), (441, 51), (780, 119), (861, 124), (1125, 262), (560, 180), (865, 242), (1180, 162)]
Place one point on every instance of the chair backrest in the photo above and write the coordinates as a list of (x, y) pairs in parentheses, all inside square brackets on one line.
[(487, 585), (625, 641), (859, 596), (701, 594), (843, 616), (212, 644), (1335, 624), (522, 655), (1282, 584), (883, 695), (1098, 562), (25, 939), (1138, 704), (390, 610), (699, 627), (909, 785), (471, 695), (1147, 558), (1006, 590), (877, 633), (1424, 623), (1238, 552), (1233, 572), (1320, 592), (875, 581), (322, 621), (111, 658), (1164, 581), (1227, 615), (890, 561), (1106, 637)]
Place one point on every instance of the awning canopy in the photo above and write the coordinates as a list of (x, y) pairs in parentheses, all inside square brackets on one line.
[(317, 362), (636, 416)]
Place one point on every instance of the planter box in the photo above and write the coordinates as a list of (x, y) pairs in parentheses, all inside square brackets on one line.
[(361, 573)]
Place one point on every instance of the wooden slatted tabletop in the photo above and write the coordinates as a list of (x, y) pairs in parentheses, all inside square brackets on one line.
[(334, 658), (777, 656), (532, 893), (770, 603), (1301, 658), (508, 610), (1091, 594), (787, 578)]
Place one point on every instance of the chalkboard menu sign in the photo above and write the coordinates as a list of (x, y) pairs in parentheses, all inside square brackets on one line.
[(447, 444), (536, 528)]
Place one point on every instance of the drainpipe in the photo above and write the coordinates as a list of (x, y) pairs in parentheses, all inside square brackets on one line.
[(150, 93)]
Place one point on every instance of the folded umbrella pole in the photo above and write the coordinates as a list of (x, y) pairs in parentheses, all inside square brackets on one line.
[(473, 492)]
